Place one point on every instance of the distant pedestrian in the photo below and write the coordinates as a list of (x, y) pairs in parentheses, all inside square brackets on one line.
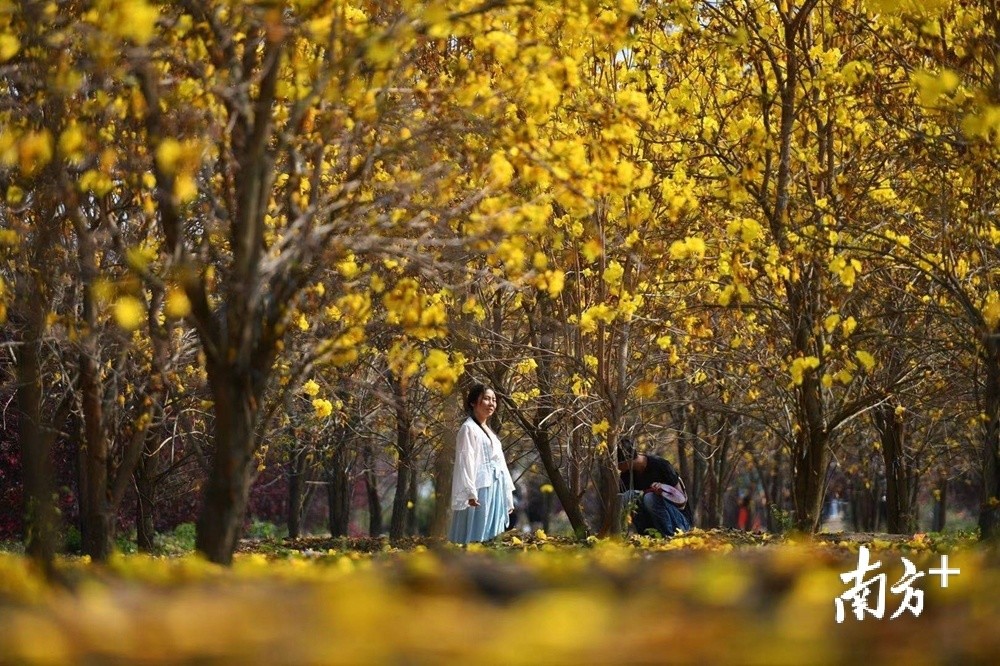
[(743, 514)]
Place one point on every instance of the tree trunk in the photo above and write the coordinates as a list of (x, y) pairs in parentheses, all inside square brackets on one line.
[(774, 493), (371, 490), (809, 465), (559, 485), (145, 490), (989, 514), (296, 490), (444, 464), (227, 488), (404, 449), (540, 433), (411, 503), (900, 518), (96, 521), (40, 515), (938, 517)]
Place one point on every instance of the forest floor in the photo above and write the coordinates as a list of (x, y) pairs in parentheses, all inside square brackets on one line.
[(718, 596)]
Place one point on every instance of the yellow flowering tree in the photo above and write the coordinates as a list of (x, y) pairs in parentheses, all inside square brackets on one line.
[(285, 135)]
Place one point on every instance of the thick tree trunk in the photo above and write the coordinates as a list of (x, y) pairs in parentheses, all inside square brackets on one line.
[(900, 516), (810, 455), (570, 504), (404, 449), (809, 472), (444, 464), (608, 482), (96, 521), (989, 514), (227, 488), (40, 516), (338, 494), (541, 438)]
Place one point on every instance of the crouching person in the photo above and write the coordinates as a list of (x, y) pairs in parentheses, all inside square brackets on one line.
[(657, 490)]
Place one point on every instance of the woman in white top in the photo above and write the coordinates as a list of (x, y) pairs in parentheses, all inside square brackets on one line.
[(482, 491)]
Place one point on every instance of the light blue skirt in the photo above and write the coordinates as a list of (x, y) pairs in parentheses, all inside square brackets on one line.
[(483, 522)]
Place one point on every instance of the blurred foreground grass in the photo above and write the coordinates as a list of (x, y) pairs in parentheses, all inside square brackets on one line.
[(710, 597)]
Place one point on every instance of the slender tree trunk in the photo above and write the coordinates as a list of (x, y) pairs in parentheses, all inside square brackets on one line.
[(411, 503), (371, 490), (145, 489), (296, 491), (938, 517), (560, 487), (147, 461), (775, 487)]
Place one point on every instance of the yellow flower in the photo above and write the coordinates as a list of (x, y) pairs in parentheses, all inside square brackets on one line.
[(691, 247), (177, 305), (501, 171), (323, 408), (168, 153), (9, 46), (802, 365), (592, 250), (129, 312), (310, 388), (866, 359)]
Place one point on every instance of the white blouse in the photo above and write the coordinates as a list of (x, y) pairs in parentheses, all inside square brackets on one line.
[(472, 470)]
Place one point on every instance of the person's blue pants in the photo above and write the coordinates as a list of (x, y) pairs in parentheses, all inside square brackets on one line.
[(658, 513)]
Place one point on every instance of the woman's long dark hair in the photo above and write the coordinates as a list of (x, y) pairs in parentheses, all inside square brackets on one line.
[(475, 393)]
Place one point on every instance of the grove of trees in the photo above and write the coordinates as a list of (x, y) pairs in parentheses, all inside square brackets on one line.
[(275, 239)]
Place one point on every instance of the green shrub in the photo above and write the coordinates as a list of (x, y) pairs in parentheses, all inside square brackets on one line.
[(260, 529), (73, 540)]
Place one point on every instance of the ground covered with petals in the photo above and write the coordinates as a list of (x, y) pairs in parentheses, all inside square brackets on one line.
[(711, 597)]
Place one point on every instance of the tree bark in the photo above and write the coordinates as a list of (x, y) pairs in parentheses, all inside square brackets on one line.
[(411, 503), (404, 449), (296, 491), (444, 464), (989, 514), (96, 521), (338, 493), (40, 515), (227, 488), (145, 490), (939, 515), (900, 517)]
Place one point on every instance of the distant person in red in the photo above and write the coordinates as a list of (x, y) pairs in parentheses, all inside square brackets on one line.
[(743, 514)]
